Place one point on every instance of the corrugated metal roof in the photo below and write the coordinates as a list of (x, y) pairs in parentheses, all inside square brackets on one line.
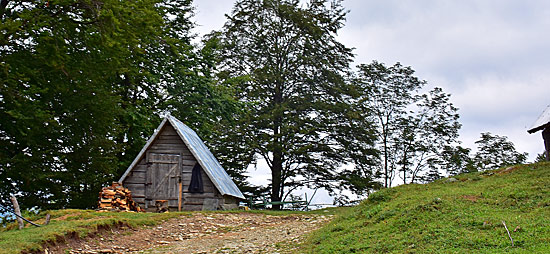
[(542, 122), (206, 159), (202, 154)]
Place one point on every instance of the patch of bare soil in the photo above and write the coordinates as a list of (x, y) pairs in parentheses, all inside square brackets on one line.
[(202, 233), (472, 198), (508, 170)]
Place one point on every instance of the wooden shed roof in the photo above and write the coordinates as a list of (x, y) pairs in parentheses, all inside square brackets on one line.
[(542, 122), (202, 154)]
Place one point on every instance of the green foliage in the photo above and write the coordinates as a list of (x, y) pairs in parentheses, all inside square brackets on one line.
[(209, 106), (412, 128), (463, 216), (456, 160), (541, 157), (61, 64), (81, 85), (496, 151), (290, 71)]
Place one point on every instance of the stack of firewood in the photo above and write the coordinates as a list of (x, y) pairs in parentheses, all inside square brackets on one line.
[(117, 198)]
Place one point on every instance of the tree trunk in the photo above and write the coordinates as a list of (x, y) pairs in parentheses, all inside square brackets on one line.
[(276, 179), (404, 167), (386, 176), (277, 167), (387, 180), (3, 4)]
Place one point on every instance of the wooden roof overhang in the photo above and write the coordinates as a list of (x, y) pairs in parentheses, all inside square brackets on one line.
[(542, 122)]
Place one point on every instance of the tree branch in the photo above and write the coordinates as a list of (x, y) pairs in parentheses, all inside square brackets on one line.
[(504, 223), (84, 22)]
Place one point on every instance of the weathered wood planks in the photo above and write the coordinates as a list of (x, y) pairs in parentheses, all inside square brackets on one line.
[(157, 175)]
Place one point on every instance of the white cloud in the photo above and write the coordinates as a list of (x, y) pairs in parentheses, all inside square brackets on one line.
[(502, 106), (492, 56), (448, 36), (210, 14), (260, 174), (499, 99)]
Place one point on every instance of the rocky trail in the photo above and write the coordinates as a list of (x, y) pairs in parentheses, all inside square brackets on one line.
[(203, 233)]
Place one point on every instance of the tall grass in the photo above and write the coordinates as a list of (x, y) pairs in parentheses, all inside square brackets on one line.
[(463, 216)]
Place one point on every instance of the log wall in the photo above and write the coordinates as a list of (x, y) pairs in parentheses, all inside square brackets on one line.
[(169, 142)]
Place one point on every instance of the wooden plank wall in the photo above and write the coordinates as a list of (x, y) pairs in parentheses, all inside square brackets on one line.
[(169, 142)]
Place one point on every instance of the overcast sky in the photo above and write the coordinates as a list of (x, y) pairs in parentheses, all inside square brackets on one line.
[(492, 56)]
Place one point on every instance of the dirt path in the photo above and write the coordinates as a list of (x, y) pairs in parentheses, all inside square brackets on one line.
[(203, 233)]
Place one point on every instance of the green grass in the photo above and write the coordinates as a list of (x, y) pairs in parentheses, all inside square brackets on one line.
[(442, 217), (464, 216), (81, 223), (73, 223)]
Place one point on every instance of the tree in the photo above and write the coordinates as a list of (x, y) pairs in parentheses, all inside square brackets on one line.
[(59, 105), (452, 160), (385, 94), (456, 160), (541, 157), (294, 69), (411, 128), (431, 128), (494, 151), (81, 84), (357, 134), (209, 105)]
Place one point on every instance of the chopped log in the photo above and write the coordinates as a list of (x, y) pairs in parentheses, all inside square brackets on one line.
[(117, 198), (105, 205), (162, 206)]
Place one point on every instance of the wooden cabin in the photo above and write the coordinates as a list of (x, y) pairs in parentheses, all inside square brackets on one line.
[(176, 168)]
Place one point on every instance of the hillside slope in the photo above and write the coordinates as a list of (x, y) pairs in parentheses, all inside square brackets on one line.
[(448, 216)]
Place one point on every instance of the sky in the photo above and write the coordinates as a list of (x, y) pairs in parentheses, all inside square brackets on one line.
[(492, 56)]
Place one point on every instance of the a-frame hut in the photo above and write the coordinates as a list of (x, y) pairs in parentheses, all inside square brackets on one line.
[(543, 124), (175, 165)]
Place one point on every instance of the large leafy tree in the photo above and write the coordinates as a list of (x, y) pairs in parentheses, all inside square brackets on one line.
[(161, 61), (291, 69), (81, 82), (385, 94), (61, 64), (412, 128), (208, 105), (357, 134)]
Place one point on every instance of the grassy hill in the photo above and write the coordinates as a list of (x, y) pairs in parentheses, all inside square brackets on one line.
[(463, 215), (448, 216)]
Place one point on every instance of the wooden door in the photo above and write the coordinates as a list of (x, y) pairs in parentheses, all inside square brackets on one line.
[(163, 176)]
